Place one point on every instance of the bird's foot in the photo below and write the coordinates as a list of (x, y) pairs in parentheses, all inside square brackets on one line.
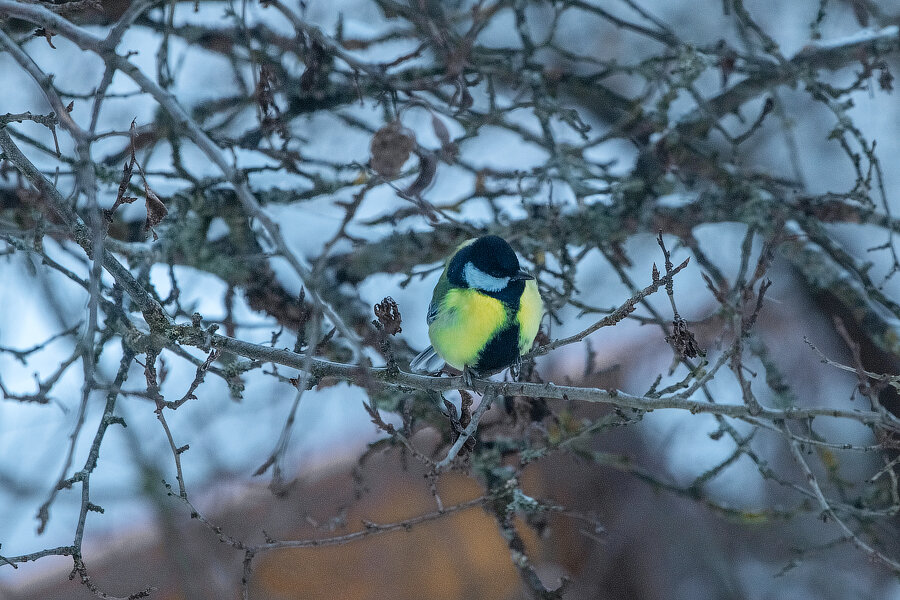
[(469, 374), (516, 368)]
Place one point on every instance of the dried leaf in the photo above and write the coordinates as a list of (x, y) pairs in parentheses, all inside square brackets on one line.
[(265, 98), (427, 170), (314, 57), (156, 211), (449, 150), (390, 148), (466, 100), (361, 178), (440, 130), (465, 406), (727, 61), (886, 79), (265, 95), (388, 314), (683, 341), (46, 34)]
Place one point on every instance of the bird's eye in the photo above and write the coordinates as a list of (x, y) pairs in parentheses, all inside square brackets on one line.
[(478, 279)]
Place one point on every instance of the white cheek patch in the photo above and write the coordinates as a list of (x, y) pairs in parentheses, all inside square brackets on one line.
[(480, 280)]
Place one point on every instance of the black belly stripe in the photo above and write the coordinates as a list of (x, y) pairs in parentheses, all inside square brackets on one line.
[(510, 296), (502, 349)]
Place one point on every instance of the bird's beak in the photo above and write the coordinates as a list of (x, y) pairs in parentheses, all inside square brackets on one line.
[(522, 275)]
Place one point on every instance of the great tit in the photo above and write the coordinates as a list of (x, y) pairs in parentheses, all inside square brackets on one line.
[(485, 311)]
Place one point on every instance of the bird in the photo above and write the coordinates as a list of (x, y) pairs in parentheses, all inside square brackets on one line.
[(485, 311)]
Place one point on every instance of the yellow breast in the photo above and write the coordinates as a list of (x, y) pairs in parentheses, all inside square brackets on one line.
[(531, 310), (466, 321)]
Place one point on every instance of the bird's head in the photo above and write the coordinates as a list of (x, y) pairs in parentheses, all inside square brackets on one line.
[(487, 264)]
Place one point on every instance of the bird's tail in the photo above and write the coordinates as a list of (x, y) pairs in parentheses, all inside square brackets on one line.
[(427, 361)]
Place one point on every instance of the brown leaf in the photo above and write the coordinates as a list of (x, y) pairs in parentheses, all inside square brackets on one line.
[(156, 211), (47, 34), (465, 99), (440, 130), (388, 314), (683, 341), (390, 148), (265, 95), (327, 382), (315, 59), (885, 79), (727, 60), (427, 170), (448, 148), (465, 405)]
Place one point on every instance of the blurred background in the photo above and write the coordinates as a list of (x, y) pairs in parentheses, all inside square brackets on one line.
[(759, 137)]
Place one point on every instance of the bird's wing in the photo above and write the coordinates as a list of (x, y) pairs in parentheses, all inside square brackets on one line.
[(432, 312), (440, 290), (428, 361)]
